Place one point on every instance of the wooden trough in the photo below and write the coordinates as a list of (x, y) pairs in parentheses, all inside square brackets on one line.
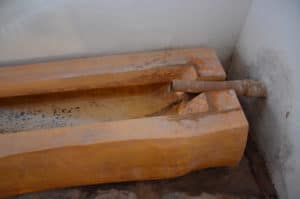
[(127, 124)]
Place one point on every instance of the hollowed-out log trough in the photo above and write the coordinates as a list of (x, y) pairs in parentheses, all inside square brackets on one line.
[(126, 124)]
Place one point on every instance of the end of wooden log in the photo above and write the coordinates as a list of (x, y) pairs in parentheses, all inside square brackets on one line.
[(252, 88)]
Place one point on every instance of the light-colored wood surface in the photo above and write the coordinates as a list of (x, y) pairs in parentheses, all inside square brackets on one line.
[(245, 87), (83, 107), (110, 71), (197, 104), (140, 149), (119, 131), (223, 100), (211, 101), (125, 150), (66, 81)]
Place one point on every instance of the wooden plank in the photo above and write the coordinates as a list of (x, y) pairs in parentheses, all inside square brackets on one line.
[(215, 99), (110, 71), (127, 150), (63, 82)]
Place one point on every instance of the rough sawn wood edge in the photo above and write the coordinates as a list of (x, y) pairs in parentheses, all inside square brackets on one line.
[(110, 71), (127, 150)]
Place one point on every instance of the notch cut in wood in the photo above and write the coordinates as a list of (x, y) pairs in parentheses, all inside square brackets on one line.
[(247, 87)]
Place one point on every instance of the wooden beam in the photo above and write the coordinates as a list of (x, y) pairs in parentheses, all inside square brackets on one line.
[(110, 71), (64, 82), (127, 150)]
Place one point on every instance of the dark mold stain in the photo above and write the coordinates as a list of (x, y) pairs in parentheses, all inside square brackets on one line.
[(287, 114)]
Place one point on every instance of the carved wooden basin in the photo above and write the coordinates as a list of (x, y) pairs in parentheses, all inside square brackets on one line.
[(114, 119)]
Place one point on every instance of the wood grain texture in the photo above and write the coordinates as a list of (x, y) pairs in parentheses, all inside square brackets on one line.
[(245, 87), (139, 149), (222, 100), (126, 150), (55, 110), (110, 71), (211, 101), (197, 104)]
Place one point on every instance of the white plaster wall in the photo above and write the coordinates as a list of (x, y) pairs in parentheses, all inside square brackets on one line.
[(269, 49), (34, 30)]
